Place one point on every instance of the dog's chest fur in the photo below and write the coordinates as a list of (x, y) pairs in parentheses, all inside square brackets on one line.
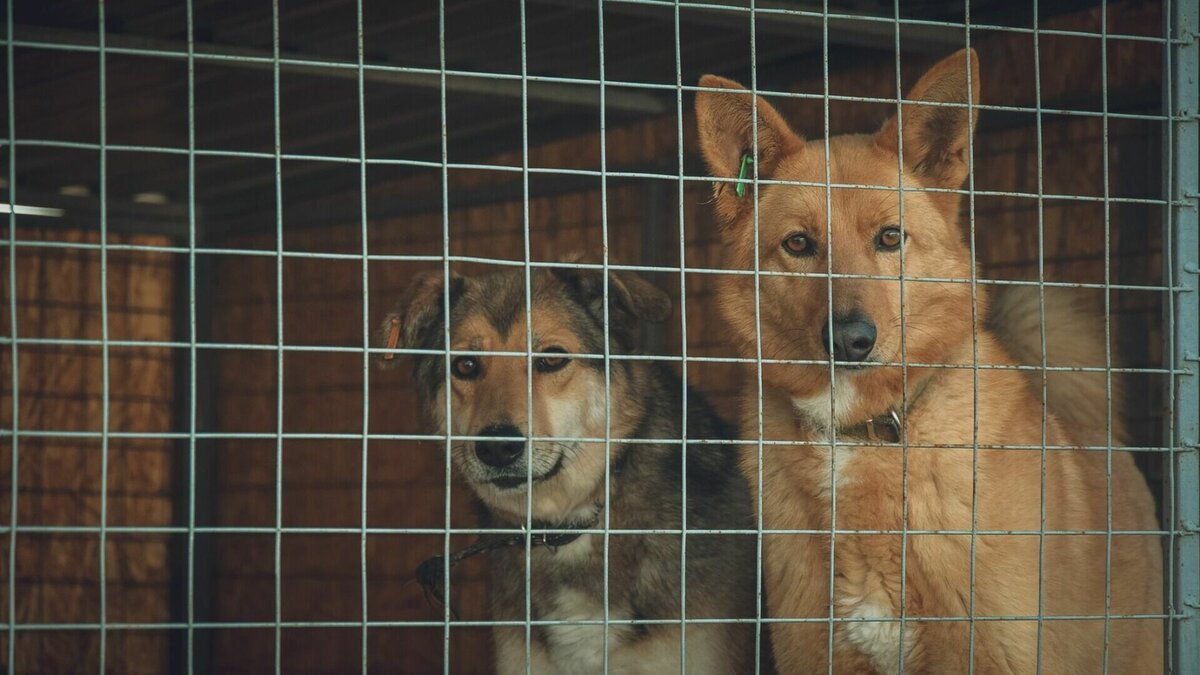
[(798, 489), (580, 647), (867, 567), (867, 588), (643, 571), (567, 587)]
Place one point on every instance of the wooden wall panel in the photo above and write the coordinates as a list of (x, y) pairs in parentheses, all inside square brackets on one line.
[(61, 389)]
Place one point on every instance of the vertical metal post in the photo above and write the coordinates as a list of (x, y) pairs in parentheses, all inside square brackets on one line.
[(526, 242), (192, 565), (1183, 259), (105, 400), (15, 384), (366, 335), (606, 547), (449, 409), (279, 358)]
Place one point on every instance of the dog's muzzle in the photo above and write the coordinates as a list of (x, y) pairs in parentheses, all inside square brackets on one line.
[(502, 457), (852, 338), (502, 452), (509, 481)]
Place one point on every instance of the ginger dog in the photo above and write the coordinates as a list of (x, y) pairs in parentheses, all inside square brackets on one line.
[(950, 419)]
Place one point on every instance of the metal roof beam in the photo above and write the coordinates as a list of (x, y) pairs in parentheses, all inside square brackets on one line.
[(563, 93), (805, 24)]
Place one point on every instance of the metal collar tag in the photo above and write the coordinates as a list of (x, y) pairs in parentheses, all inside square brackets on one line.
[(886, 428)]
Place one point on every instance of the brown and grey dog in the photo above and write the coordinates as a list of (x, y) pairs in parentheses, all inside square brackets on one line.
[(488, 399)]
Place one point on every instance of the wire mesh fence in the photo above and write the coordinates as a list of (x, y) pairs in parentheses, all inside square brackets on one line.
[(229, 458)]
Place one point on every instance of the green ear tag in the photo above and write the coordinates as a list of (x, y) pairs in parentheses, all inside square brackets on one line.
[(747, 160)]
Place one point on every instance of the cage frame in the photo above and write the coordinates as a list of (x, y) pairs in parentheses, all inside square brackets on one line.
[(192, 346)]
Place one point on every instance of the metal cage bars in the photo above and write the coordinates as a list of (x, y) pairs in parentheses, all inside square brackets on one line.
[(1182, 240), (1182, 191)]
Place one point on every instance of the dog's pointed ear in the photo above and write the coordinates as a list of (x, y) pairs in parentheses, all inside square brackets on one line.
[(418, 317), (639, 297), (631, 298), (936, 138), (725, 123)]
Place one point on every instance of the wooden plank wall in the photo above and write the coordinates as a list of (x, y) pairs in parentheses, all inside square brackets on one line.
[(61, 389)]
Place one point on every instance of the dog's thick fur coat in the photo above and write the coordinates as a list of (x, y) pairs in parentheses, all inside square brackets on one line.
[(646, 480), (954, 477)]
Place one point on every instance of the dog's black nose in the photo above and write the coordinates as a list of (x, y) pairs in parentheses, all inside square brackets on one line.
[(853, 338), (499, 453)]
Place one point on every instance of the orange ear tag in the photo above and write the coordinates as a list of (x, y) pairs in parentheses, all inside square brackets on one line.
[(393, 339)]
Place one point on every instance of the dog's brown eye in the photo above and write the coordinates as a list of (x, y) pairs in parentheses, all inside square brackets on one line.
[(799, 244), (465, 367), (549, 364), (889, 239)]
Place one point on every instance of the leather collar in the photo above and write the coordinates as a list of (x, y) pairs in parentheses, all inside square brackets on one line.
[(431, 573), (887, 427)]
